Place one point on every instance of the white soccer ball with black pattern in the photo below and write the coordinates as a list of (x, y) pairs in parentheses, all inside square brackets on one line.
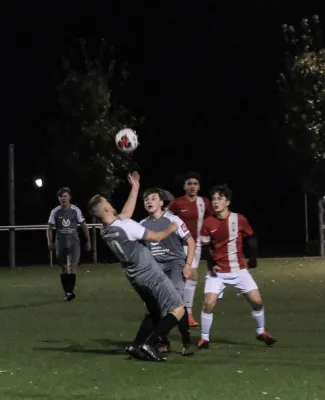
[(126, 140)]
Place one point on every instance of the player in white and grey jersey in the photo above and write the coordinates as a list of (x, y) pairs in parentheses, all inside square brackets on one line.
[(124, 236), (65, 218), (169, 253)]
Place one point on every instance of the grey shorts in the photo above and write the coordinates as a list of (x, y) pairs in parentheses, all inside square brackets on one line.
[(157, 291), (67, 254), (174, 271)]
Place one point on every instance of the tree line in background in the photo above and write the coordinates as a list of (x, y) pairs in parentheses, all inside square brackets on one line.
[(302, 88), (90, 112), (91, 94)]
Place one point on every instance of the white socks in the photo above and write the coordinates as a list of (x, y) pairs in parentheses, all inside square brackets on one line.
[(207, 319), (259, 320), (189, 293), (206, 322)]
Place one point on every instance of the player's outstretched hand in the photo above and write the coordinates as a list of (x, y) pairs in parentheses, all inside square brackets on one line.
[(187, 271), (134, 178)]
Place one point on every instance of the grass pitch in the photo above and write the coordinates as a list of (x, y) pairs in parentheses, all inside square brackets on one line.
[(55, 351)]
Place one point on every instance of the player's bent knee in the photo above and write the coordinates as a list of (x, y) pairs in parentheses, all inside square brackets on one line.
[(72, 268), (178, 312), (209, 302), (257, 306), (255, 298)]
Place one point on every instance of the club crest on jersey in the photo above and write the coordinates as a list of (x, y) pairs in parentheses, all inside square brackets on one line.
[(66, 222), (184, 228)]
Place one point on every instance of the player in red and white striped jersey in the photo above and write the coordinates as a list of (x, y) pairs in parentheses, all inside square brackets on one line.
[(224, 232), (192, 209)]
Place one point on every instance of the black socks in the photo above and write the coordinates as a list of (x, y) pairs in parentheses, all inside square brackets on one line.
[(68, 282), (184, 328), (163, 328), (64, 282), (144, 331)]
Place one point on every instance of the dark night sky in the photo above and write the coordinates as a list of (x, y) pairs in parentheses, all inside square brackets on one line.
[(205, 78)]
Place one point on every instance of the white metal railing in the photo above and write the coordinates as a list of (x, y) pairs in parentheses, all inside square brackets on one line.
[(38, 227), (13, 228)]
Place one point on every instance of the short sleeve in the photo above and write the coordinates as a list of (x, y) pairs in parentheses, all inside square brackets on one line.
[(134, 230), (80, 217), (205, 234), (208, 208), (245, 228), (182, 231), (51, 220)]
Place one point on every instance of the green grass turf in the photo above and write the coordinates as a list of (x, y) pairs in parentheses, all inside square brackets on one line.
[(56, 350)]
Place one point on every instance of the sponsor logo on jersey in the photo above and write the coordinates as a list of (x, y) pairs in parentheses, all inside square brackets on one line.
[(184, 228), (65, 223)]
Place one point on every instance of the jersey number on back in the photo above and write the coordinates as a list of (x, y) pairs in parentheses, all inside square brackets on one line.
[(117, 250)]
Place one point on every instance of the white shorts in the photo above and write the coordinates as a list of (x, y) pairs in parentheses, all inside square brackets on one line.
[(197, 256), (242, 281)]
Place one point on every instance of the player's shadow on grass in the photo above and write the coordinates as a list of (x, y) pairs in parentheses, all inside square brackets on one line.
[(27, 305), (216, 340), (219, 340), (119, 347)]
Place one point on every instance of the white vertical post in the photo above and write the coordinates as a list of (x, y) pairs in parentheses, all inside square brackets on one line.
[(94, 242), (11, 183), (306, 224), (321, 227), (51, 258)]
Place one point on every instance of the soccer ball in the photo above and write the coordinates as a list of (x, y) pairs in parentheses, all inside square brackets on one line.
[(126, 140)]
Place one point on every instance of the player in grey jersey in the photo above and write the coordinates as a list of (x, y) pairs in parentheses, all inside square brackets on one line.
[(125, 238), (169, 253), (65, 218)]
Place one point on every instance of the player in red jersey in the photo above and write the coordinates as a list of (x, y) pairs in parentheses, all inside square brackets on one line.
[(192, 209), (225, 232)]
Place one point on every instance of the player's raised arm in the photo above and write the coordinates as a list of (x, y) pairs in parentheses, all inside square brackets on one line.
[(159, 236), (138, 232), (129, 206)]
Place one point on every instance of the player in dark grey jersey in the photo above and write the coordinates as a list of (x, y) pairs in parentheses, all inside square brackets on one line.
[(125, 238), (169, 253), (65, 218)]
